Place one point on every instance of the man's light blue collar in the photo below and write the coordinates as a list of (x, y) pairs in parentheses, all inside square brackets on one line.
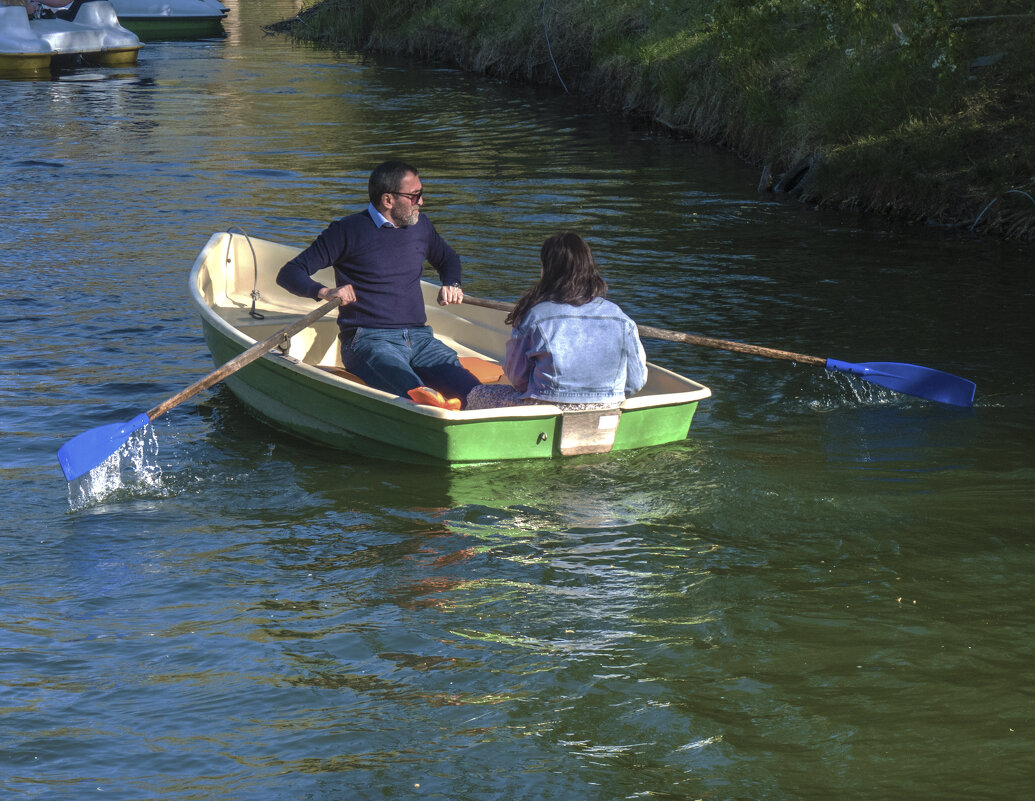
[(379, 219)]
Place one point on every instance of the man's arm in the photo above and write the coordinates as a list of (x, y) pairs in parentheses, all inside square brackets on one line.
[(296, 275), (443, 258)]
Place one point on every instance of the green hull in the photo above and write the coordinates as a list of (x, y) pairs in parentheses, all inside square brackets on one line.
[(153, 29), (305, 403)]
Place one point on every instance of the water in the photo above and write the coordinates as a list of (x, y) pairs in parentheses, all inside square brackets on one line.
[(825, 592)]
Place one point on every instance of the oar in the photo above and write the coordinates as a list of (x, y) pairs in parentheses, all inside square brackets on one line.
[(910, 379), (84, 452)]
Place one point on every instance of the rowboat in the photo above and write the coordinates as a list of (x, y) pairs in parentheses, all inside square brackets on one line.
[(86, 32), (302, 388), (294, 378), (172, 19)]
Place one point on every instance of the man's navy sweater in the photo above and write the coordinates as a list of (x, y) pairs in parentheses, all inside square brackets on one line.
[(384, 265)]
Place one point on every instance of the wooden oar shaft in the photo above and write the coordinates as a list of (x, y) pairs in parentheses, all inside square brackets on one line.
[(690, 339), (725, 344), (249, 356)]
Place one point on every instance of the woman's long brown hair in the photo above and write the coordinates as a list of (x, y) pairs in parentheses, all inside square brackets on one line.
[(569, 276)]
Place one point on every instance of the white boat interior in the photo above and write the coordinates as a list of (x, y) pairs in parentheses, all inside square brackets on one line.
[(236, 274)]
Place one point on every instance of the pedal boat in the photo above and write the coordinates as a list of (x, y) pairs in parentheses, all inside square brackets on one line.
[(87, 32)]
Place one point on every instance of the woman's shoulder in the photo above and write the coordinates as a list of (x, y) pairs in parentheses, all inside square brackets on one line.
[(616, 309), (594, 307), (602, 306), (547, 309)]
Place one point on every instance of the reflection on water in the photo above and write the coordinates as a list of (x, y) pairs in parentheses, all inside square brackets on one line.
[(822, 593)]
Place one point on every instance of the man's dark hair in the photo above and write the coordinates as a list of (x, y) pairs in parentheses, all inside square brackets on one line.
[(387, 178)]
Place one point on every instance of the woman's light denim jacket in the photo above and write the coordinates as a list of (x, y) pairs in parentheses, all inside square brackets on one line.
[(576, 354)]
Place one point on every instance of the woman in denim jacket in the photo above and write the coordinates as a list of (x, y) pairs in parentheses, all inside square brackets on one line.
[(570, 347)]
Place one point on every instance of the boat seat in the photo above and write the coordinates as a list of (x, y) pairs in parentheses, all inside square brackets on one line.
[(488, 372)]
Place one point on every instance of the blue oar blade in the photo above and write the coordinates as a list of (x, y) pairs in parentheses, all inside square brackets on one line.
[(85, 451), (912, 379)]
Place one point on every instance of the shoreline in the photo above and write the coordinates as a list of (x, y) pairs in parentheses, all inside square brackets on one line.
[(918, 129)]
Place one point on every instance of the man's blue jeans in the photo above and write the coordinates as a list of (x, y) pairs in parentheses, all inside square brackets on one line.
[(400, 359)]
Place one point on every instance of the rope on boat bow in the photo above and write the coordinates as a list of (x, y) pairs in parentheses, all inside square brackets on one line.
[(255, 271)]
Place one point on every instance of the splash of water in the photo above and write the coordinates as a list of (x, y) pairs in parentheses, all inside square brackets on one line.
[(835, 391), (133, 468)]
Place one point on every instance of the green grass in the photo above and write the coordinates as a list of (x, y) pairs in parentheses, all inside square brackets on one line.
[(889, 98)]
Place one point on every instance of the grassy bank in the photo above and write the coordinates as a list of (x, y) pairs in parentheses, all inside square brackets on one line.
[(919, 109)]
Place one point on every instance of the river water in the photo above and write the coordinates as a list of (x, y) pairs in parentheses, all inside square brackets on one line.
[(825, 592)]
